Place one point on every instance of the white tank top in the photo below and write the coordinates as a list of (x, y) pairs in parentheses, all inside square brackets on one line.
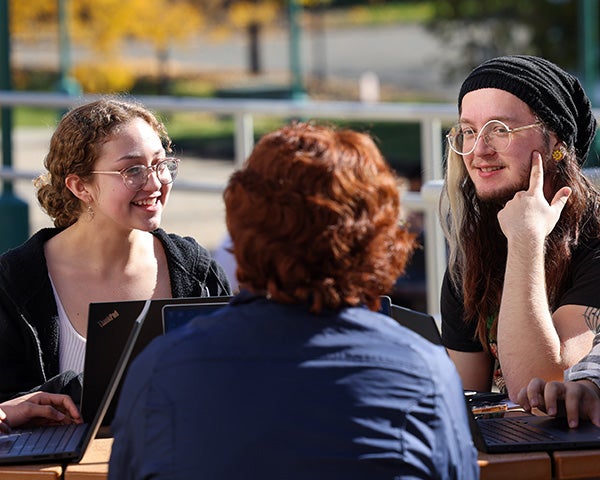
[(71, 345)]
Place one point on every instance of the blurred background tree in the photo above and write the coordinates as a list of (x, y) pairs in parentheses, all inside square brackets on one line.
[(477, 30), (103, 26), (471, 31), (252, 16)]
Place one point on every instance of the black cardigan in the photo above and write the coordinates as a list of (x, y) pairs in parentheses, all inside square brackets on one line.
[(29, 315)]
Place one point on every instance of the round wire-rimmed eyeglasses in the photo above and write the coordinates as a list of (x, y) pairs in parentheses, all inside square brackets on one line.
[(463, 139), (136, 176)]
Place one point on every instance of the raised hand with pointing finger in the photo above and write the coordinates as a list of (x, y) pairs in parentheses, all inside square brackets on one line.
[(528, 216)]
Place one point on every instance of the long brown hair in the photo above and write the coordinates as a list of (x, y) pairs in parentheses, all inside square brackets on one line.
[(477, 246)]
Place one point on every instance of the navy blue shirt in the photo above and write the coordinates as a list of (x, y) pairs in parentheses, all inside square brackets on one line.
[(269, 391)]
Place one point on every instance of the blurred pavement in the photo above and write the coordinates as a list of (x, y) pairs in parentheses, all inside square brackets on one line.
[(405, 55), (200, 215)]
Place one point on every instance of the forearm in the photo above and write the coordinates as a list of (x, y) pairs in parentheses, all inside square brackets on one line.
[(528, 343), (475, 369)]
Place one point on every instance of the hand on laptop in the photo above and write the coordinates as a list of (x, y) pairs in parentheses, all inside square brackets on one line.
[(575, 399), (39, 408)]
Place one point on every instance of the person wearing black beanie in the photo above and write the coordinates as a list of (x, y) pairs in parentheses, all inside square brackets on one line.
[(554, 95), (521, 294)]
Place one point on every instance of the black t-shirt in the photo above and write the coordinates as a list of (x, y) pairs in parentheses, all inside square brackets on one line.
[(583, 288)]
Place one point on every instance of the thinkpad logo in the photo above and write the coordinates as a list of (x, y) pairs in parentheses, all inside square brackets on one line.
[(109, 318)]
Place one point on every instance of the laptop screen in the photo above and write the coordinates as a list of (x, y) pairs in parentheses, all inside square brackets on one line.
[(109, 326), (175, 316), (419, 322)]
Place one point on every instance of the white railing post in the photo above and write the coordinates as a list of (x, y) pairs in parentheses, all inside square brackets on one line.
[(244, 137), (435, 245)]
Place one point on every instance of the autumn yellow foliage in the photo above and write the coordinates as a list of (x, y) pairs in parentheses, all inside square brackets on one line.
[(103, 26), (246, 12), (104, 77)]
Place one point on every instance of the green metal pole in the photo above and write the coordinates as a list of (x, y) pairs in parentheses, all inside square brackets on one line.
[(5, 84), (588, 56), (63, 45), (295, 60), (588, 13), (14, 213), (66, 83)]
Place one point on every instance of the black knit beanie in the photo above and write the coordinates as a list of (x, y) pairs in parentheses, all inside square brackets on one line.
[(554, 95)]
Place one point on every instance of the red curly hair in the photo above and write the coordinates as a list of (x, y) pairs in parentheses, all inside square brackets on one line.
[(313, 216)]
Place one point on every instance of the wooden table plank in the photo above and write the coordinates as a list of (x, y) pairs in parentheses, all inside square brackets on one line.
[(576, 464), (22, 472), (515, 466), (94, 464)]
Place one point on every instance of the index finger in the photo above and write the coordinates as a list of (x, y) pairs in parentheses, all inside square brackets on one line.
[(532, 396), (4, 426), (61, 402), (554, 392), (536, 176), (66, 405)]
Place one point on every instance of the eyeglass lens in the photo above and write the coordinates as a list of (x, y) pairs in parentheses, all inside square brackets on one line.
[(137, 176), (495, 134)]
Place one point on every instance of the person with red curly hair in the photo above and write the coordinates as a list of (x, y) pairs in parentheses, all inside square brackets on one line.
[(299, 376)]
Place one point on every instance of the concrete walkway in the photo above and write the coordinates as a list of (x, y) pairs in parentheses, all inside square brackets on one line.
[(200, 215), (405, 56)]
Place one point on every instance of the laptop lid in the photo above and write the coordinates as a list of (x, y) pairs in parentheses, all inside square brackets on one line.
[(525, 432), (68, 443), (385, 305), (419, 322), (176, 316), (109, 324)]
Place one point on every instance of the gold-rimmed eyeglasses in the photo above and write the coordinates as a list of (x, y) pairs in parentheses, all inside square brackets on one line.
[(136, 176), (463, 138)]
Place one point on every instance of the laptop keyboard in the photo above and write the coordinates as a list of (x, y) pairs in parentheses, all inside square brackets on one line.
[(512, 431), (44, 440)]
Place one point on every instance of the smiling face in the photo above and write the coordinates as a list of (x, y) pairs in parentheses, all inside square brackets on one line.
[(133, 143), (497, 176)]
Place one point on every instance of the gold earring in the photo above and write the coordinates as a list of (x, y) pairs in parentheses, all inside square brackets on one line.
[(557, 155)]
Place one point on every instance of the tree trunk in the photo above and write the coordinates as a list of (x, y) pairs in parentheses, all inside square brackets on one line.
[(254, 66)]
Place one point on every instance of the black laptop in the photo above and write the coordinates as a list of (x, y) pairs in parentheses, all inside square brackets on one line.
[(525, 432), (419, 322), (109, 324), (176, 316), (68, 443), (511, 431)]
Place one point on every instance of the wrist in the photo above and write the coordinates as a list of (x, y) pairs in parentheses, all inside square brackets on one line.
[(526, 242), (592, 383)]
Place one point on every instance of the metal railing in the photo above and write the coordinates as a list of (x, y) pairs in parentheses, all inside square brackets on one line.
[(431, 118)]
